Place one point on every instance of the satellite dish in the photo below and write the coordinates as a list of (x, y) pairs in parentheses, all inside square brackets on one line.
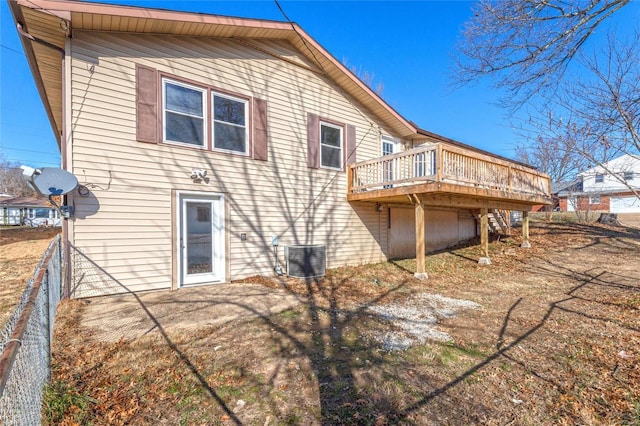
[(53, 181)]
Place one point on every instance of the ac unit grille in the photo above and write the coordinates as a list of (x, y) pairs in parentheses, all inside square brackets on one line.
[(306, 261)]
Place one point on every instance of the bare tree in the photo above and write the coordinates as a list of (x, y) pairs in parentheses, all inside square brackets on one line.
[(552, 155), (595, 119), (585, 99), (607, 95), (11, 180), (527, 45), (366, 77)]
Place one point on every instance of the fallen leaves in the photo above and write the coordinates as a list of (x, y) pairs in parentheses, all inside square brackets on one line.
[(550, 345)]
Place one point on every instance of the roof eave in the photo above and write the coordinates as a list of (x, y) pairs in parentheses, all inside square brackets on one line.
[(410, 128), (18, 18), (65, 9)]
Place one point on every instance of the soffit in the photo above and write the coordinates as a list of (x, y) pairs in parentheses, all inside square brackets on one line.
[(45, 61)]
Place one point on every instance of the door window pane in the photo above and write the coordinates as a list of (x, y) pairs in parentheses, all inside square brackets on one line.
[(199, 238)]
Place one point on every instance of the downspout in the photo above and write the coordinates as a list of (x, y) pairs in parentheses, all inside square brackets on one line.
[(66, 270), (25, 34)]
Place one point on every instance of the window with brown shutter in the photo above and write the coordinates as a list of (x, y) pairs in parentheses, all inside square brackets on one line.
[(330, 144), (183, 112)]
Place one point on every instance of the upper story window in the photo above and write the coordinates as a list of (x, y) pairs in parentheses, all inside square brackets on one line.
[(599, 178), (184, 111), (331, 145), (390, 145), (190, 114), (230, 131), (628, 176)]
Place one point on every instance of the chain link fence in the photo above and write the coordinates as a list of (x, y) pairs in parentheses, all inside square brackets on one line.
[(25, 343)]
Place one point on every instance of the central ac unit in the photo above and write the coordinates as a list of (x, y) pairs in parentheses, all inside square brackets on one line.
[(306, 261)]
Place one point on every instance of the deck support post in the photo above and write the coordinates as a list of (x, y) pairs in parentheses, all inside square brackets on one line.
[(525, 230), (421, 274), (484, 236)]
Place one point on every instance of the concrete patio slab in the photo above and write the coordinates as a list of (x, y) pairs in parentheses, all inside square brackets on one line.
[(131, 316)]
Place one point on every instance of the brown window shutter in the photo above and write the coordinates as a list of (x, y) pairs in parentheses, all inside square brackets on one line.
[(351, 144), (146, 104), (260, 151), (313, 141)]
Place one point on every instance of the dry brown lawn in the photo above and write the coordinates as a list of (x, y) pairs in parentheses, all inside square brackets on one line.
[(556, 341), (20, 252)]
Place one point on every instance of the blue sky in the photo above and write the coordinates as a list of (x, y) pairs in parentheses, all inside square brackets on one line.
[(406, 45)]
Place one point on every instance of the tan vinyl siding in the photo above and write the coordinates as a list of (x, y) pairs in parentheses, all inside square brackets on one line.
[(125, 225)]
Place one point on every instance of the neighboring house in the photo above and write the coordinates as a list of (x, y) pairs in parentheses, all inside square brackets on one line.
[(556, 188), (200, 141), (608, 188), (28, 211)]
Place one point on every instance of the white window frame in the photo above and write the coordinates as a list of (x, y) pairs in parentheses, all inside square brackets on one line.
[(599, 176), (334, 126), (594, 199), (203, 91), (393, 142), (627, 176), (245, 101)]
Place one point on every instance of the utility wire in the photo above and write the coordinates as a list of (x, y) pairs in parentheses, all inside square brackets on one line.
[(29, 150), (346, 96), (12, 49)]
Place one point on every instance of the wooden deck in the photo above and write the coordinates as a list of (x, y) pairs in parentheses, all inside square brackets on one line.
[(447, 176)]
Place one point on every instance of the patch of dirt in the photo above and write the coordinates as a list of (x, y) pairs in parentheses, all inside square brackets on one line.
[(555, 341), (20, 251)]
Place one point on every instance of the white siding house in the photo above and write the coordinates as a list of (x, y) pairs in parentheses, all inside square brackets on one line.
[(612, 187)]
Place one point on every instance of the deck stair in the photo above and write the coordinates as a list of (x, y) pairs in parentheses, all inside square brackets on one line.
[(498, 221)]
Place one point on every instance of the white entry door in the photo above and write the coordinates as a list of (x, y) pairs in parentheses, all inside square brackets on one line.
[(201, 239)]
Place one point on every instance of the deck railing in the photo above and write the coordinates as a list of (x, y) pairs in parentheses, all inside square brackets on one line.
[(446, 164)]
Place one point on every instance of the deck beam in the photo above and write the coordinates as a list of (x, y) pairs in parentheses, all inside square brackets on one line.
[(449, 195)]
